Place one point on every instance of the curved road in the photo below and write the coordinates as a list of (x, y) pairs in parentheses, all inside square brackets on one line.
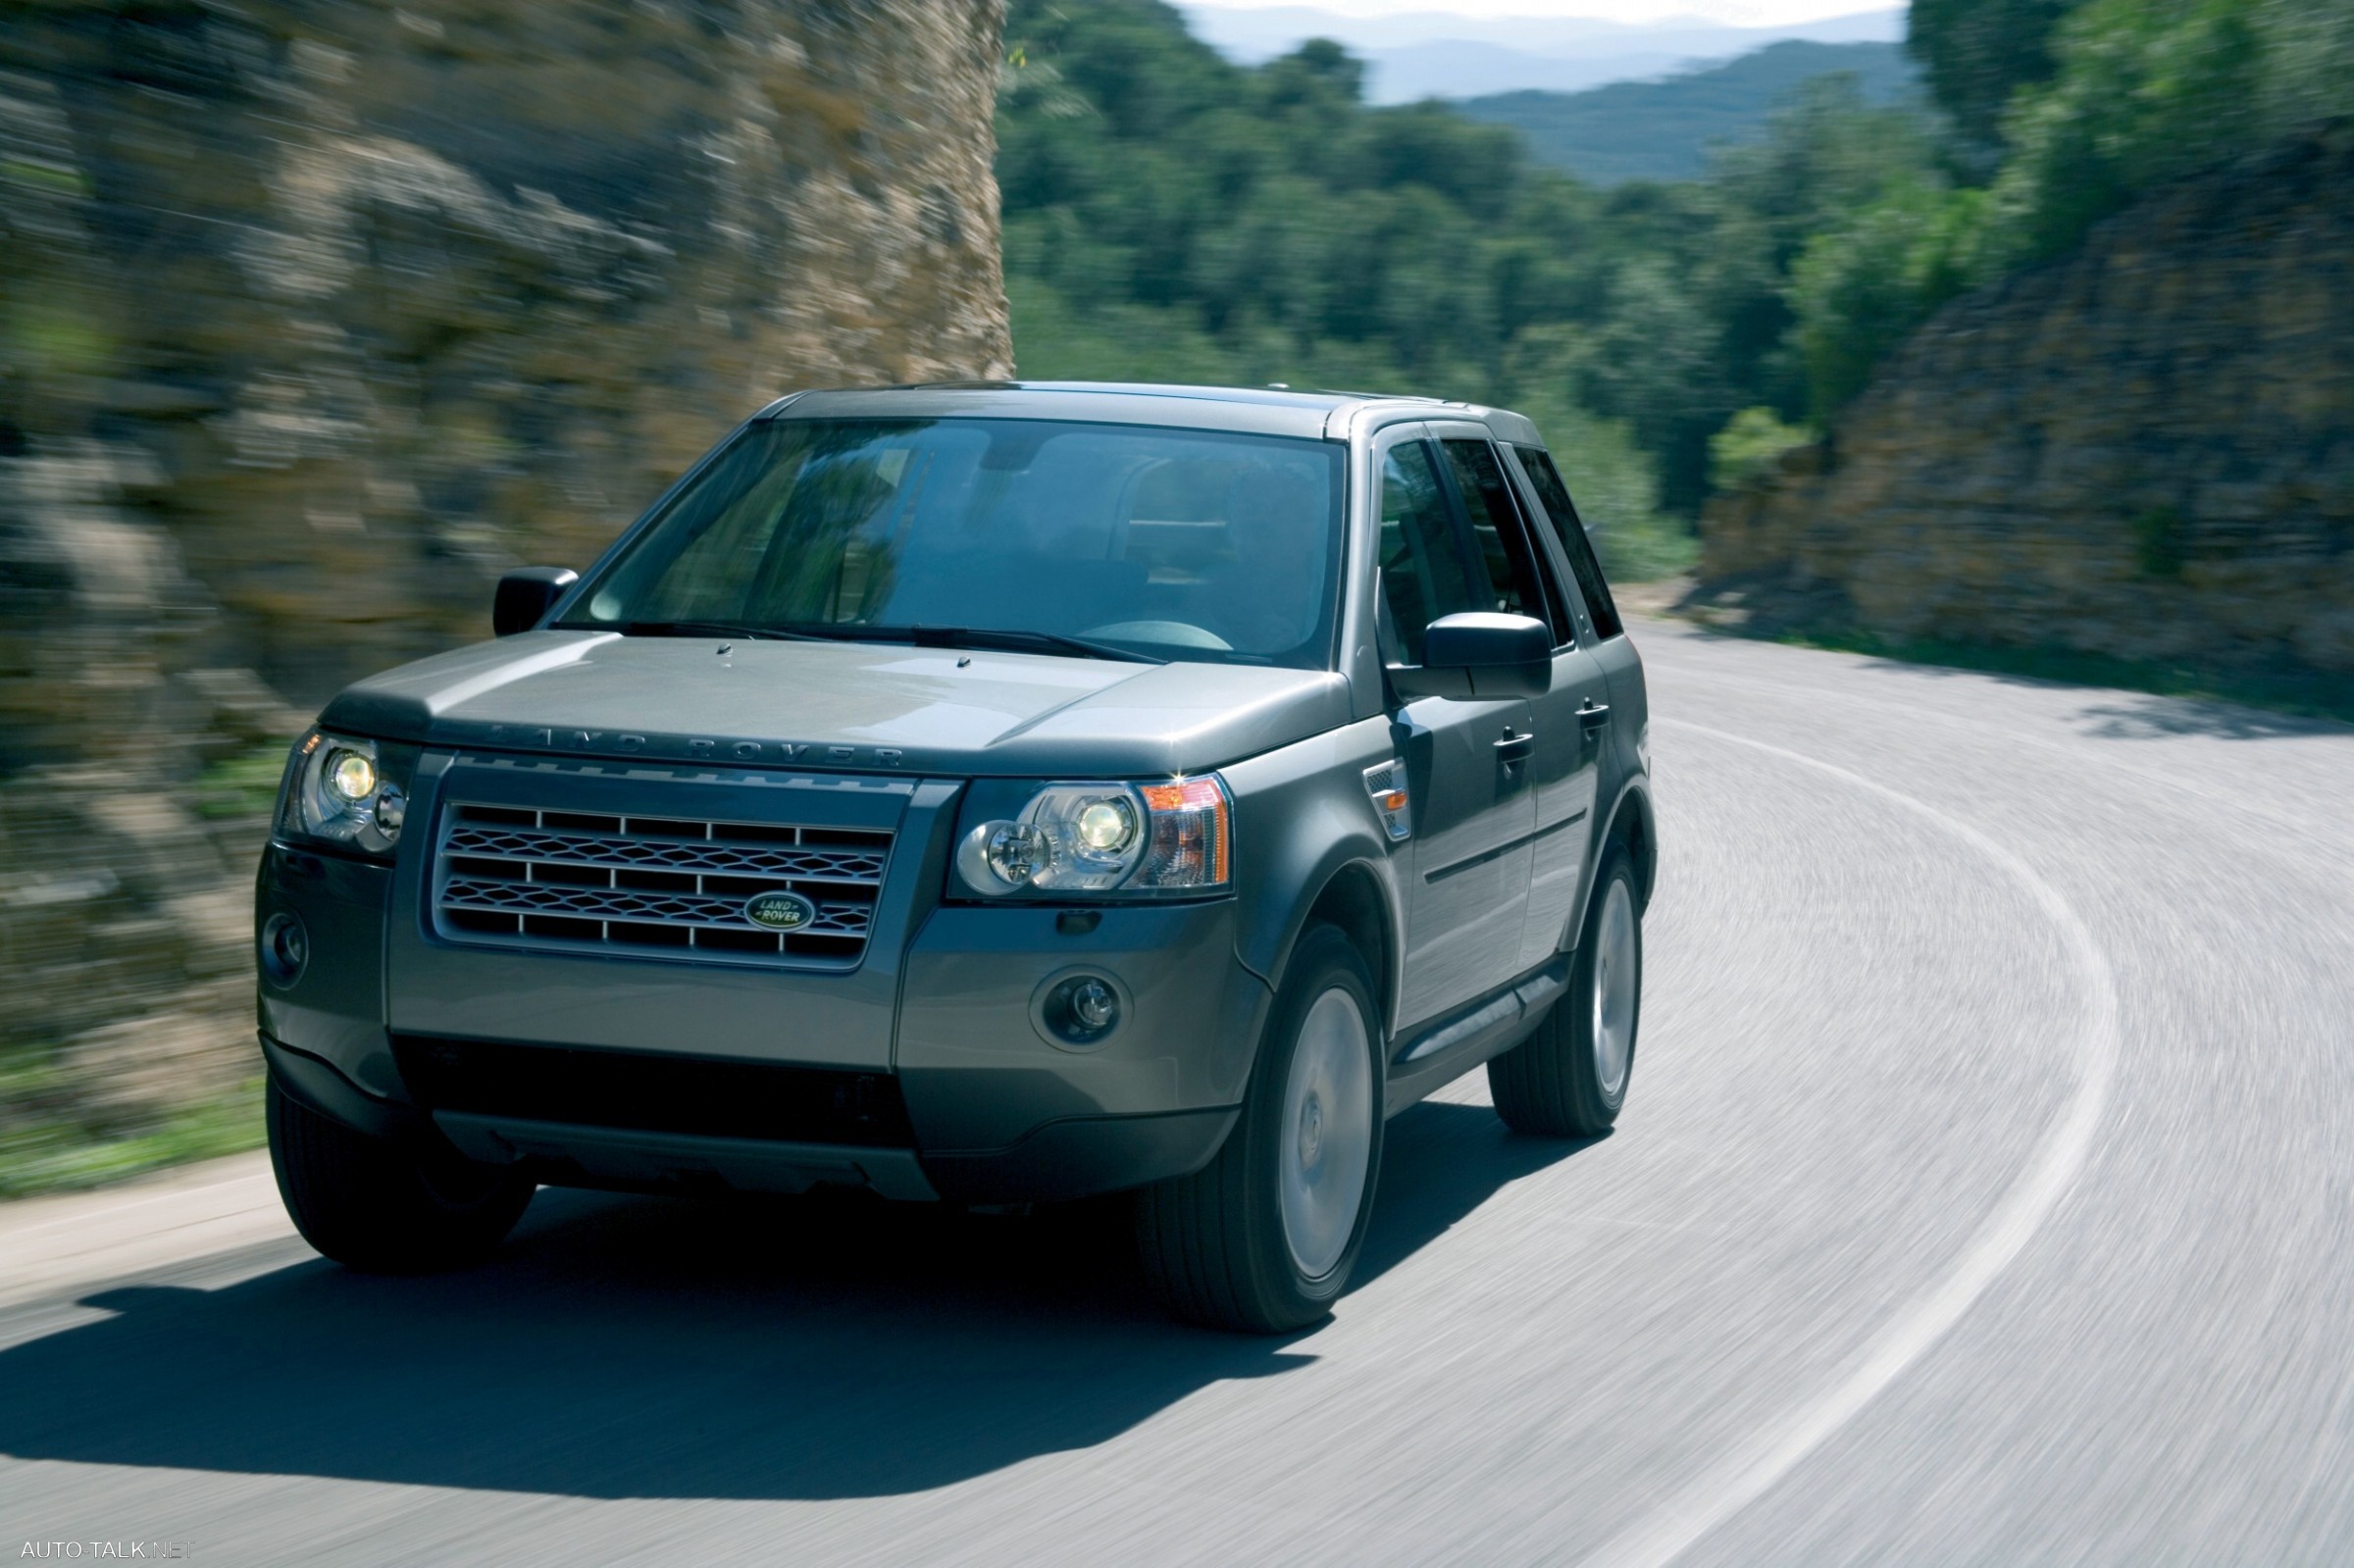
[(1984, 1198)]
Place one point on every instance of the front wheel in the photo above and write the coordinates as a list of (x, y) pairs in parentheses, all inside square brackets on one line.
[(384, 1207), (1568, 1080), (1262, 1238)]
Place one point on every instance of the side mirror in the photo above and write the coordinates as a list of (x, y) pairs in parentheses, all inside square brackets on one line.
[(526, 595), (1480, 653)]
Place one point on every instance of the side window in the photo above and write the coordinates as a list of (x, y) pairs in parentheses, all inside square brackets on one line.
[(1422, 574), (1572, 534), (1499, 535)]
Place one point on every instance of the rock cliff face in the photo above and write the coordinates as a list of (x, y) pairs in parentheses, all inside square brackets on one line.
[(313, 316), (2145, 452)]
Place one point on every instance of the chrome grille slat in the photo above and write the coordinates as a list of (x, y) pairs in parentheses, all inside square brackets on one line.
[(655, 884), (682, 854), (605, 903)]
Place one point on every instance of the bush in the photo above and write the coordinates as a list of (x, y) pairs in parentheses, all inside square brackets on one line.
[(1744, 452), (1860, 289)]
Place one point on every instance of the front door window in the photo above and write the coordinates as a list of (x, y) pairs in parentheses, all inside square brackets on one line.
[(1474, 812)]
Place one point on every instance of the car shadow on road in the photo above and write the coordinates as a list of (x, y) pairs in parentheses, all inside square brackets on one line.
[(643, 1347)]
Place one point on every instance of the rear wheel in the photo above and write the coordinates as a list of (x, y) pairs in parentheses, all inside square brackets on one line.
[(1263, 1239), (383, 1207), (1568, 1080)]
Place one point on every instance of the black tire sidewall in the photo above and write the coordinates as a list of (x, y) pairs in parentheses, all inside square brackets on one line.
[(382, 1206)]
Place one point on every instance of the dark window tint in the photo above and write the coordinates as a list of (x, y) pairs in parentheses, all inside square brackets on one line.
[(1502, 546), (1572, 534), (1180, 543), (1422, 576)]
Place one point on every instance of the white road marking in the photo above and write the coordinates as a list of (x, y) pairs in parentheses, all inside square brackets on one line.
[(1746, 1474)]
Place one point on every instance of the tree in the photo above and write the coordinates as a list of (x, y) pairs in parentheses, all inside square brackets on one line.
[(1977, 53)]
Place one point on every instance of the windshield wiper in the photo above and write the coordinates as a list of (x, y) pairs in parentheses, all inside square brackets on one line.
[(709, 628), (976, 636)]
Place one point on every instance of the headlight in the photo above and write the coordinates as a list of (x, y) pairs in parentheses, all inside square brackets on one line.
[(347, 793), (1168, 839)]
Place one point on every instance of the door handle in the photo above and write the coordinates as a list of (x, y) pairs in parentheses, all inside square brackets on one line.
[(1514, 750), (1594, 715)]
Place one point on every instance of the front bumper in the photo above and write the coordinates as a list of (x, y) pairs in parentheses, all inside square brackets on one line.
[(942, 1014)]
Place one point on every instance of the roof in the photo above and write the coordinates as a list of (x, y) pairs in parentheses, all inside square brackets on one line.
[(1250, 410)]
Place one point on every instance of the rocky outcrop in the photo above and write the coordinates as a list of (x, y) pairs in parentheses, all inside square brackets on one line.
[(2144, 451), (313, 316)]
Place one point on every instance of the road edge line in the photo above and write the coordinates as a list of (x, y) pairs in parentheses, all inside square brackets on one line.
[(1753, 1467)]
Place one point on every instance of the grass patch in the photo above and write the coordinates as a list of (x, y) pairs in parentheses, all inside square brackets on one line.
[(52, 1155), (243, 786), (2310, 694)]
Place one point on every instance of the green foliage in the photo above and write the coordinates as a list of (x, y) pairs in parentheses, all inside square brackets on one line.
[(45, 1149), (1806, 206), (1861, 288), (1977, 53), (1744, 454), (244, 785), (1169, 214), (2147, 90), (1172, 216), (2111, 99)]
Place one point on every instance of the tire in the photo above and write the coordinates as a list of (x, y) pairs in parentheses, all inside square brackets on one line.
[(1262, 1240), (1568, 1080), (383, 1207)]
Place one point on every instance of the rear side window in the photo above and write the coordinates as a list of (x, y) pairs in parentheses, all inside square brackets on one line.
[(1423, 568), (1507, 555), (1572, 534)]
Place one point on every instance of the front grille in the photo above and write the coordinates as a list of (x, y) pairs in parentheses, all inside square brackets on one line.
[(704, 1096), (655, 886)]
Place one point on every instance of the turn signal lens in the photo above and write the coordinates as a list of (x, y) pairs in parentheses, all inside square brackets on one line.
[(1386, 784), (1190, 834)]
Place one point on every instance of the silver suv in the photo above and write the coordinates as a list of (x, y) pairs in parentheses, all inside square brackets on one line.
[(995, 794)]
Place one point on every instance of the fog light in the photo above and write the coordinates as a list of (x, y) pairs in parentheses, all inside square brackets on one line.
[(285, 947), (1081, 1010), (1093, 1006)]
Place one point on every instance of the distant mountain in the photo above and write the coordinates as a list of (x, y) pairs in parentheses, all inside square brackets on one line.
[(1663, 129), (1437, 54)]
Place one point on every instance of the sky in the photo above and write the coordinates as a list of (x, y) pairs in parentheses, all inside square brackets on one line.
[(1725, 13)]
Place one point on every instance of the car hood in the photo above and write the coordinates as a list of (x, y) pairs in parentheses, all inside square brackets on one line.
[(852, 705)]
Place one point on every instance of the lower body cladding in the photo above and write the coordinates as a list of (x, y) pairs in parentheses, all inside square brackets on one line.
[(676, 1076)]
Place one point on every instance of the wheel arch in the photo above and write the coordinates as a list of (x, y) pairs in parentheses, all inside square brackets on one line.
[(1632, 824), (1348, 888), (1356, 901), (1308, 846)]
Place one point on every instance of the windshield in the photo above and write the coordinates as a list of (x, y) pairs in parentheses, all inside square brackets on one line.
[(1131, 540)]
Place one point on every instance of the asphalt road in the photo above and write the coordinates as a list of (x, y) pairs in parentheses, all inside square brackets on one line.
[(1983, 1197)]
